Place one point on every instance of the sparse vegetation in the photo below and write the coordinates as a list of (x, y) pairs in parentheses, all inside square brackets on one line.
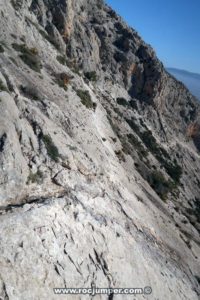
[(72, 148), (133, 104), (142, 152), (73, 66), (156, 179), (52, 150), (35, 177), (172, 168), (61, 59), (4, 45), (126, 147), (3, 87), (94, 105), (122, 101), (120, 155), (92, 76), (134, 126), (117, 111), (159, 183), (151, 143), (195, 211), (49, 38), (69, 63), (31, 92), (29, 56), (114, 139), (43, 33), (86, 99), (1, 49), (16, 4), (63, 80)]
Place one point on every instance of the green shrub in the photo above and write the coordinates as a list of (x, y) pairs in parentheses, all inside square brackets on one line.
[(86, 99), (52, 150), (127, 149), (113, 125), (31, 92), (114, 139), (161, 186), (150, 142), (94, 105), (120, 155), (49, 38), (1, 49), (74, 67), (63, 80), (19, 47), (31, 61), (35, 177), (142, 152), (29, 56), (92, 76), (133, 126), (72, 148), (62, 60), (133, 104), (122, 101), (3, 87), (195, 211), (174, 170), (69, 63)]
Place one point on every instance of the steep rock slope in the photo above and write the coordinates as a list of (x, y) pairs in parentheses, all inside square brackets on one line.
[(99, 153)]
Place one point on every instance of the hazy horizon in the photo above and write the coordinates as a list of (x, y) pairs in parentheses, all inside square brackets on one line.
[(190, 80), (184, 70)]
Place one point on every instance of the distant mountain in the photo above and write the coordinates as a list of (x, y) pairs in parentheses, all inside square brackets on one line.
[(191, 80)]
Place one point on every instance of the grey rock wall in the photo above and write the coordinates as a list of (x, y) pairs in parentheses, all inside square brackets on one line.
[(99, 156)]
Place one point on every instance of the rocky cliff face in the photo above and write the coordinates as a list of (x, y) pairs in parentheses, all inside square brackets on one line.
[(99, 154)]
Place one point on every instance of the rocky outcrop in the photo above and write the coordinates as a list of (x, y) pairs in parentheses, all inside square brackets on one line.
[(194, 133), (99, 154)]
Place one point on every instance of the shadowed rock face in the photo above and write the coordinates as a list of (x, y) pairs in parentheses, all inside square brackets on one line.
[(94, 30), (99, 155)]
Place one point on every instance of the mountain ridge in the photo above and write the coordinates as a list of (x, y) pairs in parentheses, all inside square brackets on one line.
[(191, 80), (197, 75)]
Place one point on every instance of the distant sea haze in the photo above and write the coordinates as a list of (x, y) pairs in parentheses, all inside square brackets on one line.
[(191, 80)]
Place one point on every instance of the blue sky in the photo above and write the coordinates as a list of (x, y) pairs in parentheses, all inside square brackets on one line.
[(172, 27)]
